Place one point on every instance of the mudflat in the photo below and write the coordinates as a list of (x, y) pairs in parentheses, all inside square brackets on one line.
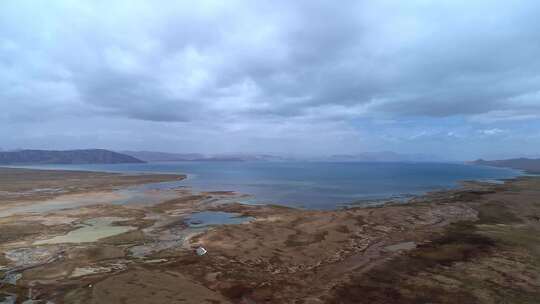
[(22, 184), (476, 244)]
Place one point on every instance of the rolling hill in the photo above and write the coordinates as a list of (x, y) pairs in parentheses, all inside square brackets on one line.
[(88, 156), (526, 164)]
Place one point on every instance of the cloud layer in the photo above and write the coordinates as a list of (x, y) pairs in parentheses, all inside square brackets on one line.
[(273, 76)]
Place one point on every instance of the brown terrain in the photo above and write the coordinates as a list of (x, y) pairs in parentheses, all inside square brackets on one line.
[(19, 185), (77, 244)]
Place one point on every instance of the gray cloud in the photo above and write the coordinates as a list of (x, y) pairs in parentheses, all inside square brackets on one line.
[(259, 63)]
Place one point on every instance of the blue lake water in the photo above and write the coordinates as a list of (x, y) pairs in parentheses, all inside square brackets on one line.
[(209, 218), (318, 185)]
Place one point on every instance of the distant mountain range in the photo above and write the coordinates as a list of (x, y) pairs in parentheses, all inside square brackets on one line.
[(384, 156), (527, 164), (151, 156), (89, 156), (100, 156)]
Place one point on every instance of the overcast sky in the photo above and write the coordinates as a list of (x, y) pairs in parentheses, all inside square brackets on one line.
[(460, 79)]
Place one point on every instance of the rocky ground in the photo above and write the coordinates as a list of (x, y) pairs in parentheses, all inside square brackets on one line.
[(477, 244)]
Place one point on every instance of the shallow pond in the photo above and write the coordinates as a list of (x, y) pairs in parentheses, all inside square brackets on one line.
[(209, 218), (90, 231)]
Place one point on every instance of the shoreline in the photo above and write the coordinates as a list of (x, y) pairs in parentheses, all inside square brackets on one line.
[(443, 243), (372, 199)]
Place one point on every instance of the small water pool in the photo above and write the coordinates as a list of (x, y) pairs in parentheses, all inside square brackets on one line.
[(90, 231), (210, 218)]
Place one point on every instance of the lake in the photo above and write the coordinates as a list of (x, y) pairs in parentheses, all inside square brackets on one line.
[(316, 185)]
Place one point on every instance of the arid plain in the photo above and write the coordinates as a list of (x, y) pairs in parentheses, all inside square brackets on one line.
[(87, 237)]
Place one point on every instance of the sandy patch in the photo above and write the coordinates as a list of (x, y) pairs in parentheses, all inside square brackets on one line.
[(91, 231)]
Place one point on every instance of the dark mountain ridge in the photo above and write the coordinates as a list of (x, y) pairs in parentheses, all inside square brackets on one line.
[(87, 156), (526, 164), (151, 156), (154, 156), (384, 156)]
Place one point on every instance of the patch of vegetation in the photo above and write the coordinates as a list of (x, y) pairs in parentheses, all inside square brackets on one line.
[(498, 229), (390, 282), (523, 237), (3, 260), (460, 243), (495, 212), (386, 285), (13, 232), (129, 237), (343, 229), (299, 239), (236, 292), (7, 290), (471, 195)]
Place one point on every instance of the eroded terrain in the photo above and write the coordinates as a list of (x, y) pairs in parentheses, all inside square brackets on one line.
[(477, 244)]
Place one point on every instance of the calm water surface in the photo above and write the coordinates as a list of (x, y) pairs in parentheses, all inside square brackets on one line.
[(209, 218), (318, 185)]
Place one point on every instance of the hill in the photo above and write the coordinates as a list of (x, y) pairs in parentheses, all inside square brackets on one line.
[(152, 156), (527, 164), (383, 156), (89, 156)]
